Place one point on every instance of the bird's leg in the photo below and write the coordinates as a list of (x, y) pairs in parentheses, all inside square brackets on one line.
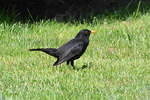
[(72, 64), (68, 62)]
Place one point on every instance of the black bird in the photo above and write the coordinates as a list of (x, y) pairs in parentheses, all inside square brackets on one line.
[(70, 51)]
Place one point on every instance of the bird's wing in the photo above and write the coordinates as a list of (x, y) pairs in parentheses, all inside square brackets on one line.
[(71, 52)]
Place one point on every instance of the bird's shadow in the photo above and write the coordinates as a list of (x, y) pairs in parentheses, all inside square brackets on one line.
[(85, 66)]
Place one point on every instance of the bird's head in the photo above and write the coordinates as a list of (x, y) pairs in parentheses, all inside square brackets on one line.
[(85, 33)]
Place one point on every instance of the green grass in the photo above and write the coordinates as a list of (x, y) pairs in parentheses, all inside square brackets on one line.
[(117, 60)]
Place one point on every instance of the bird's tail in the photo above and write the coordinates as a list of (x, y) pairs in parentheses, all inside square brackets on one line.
[(50, 51)]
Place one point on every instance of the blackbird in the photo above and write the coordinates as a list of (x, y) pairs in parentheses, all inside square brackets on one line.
[(70, 51)]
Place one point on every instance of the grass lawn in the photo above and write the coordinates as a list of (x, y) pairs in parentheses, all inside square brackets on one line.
[(116, 65)]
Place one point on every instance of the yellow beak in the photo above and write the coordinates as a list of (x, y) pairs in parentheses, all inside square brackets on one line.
[(93, 31)]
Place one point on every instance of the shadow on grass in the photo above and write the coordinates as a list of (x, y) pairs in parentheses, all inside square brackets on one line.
[(85, 66)]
